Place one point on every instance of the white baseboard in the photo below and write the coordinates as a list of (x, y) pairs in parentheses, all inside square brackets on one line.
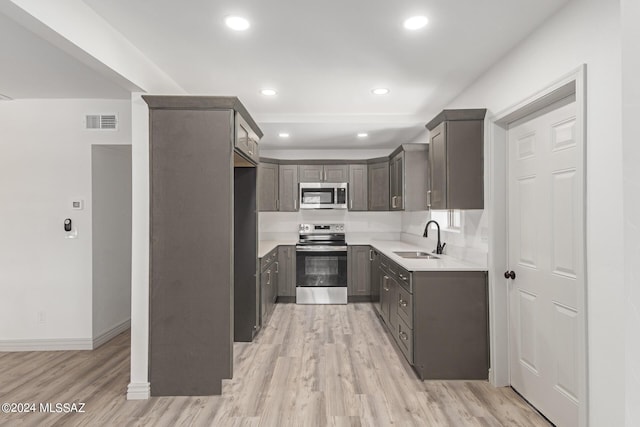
[(47, 344), (111, 333), (138, 391)]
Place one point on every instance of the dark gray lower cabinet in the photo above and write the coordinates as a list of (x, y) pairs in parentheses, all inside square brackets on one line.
[(287, 273), (269, 271), (451, 335), (374, 272), (359, 272), (438, 319)]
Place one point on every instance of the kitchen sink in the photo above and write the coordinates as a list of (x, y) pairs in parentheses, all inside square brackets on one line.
[(416, 255)]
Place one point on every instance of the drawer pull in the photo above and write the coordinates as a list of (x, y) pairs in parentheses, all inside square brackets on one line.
[(402, 303), (404, 336)]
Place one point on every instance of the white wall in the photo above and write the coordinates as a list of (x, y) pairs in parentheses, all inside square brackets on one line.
[(111, 227), (469, 242), (630, 15), (585, 31), (45, 163), (360, 227)]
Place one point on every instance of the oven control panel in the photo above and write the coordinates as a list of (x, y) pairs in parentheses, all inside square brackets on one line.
[(320, 228)]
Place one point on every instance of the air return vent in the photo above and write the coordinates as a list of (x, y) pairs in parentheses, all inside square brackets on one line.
[(101, 121)]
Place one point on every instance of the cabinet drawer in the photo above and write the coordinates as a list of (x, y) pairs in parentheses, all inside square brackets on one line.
[(404, 338), (266, 260), (405, 306), (404, 278)]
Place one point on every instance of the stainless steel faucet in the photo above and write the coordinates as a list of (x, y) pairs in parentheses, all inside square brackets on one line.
[(440, 246)]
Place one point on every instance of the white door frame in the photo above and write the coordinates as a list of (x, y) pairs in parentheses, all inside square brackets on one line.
[(496, 189)]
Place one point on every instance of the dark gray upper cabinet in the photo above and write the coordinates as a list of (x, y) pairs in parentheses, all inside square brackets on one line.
[(287, 272), (323, 173), (358, 188), (268, 195), (288, 188), (457, 159), (396, 182), (194, 145), (409, 177), (379, 186), (246, 141), (359, 266)]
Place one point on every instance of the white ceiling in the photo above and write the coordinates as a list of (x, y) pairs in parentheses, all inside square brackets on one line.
[(34, 68), (324, 57)]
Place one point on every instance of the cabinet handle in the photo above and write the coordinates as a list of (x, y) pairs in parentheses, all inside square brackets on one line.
[(429, 198), (277, 267), (384, 281), (268, 277), (295, 204), (403, 336), (393, 201), (351, 204), (370, 254), (402, 303)]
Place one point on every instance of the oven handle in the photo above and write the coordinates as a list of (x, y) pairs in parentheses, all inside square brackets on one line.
[(320, 248)]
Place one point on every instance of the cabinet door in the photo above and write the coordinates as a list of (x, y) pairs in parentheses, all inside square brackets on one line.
[(336, 173), (268, 178), (287, 271), (379, 186), (385, 295), (288, 188), (375, 277), (438, 166), (359, 271), (311, 173), (358, 188), (397, 182), (265, 280)]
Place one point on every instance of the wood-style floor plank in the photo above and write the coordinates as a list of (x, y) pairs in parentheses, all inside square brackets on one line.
[(311, 366)]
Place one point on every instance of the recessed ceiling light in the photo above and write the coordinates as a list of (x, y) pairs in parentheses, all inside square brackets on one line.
[(415, 22), (283, 135), (363, 135), (380, 91), (237, 23), (268, 92)]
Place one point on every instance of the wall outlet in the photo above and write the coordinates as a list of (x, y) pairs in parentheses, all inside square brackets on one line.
[(42, 318)]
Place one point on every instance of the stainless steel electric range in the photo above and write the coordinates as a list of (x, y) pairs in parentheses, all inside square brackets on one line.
[(321, 264)]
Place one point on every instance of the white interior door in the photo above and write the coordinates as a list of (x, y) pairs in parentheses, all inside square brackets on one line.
[(545, 253)]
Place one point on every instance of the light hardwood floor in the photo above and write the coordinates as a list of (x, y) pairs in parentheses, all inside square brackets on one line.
[(311, 366)]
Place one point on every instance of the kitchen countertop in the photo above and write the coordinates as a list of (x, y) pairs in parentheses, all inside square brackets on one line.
[(443, 263), (387, 247), (266, 246)]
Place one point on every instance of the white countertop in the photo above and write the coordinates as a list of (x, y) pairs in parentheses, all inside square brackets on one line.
[(387, 248), (266, 246), (443, 263)]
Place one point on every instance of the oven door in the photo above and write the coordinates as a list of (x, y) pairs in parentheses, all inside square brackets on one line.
[(321, 266)]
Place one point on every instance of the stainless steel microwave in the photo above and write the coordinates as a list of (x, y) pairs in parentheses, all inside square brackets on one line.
[(323, 195)]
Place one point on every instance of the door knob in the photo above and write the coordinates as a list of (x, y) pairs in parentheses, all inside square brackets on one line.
[(510, 274)]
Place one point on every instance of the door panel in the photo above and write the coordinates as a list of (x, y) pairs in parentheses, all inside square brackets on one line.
[(311, 173), (545, 251)]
